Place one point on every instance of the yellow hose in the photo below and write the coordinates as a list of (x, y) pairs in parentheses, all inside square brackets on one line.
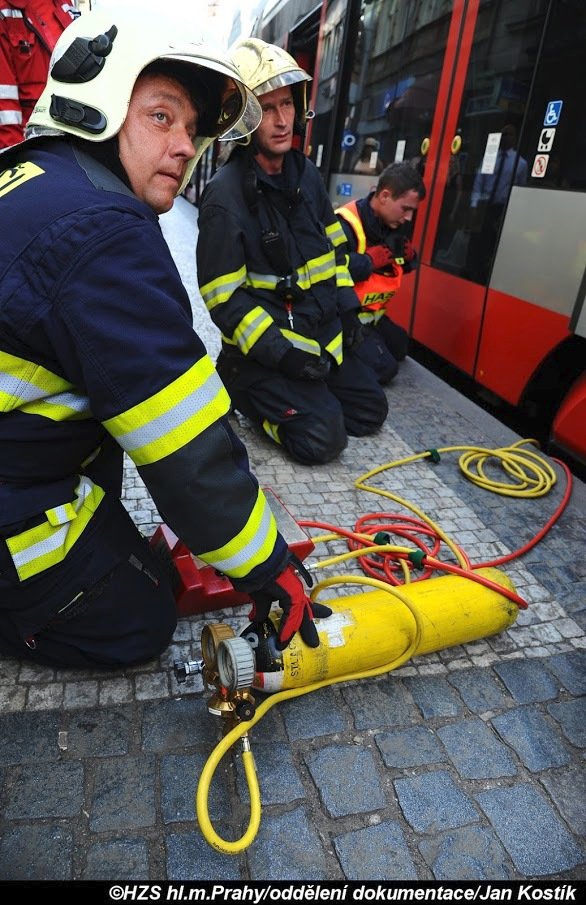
[(227, 847), (533, 476)]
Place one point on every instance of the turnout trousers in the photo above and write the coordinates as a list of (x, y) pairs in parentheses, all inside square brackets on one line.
[(311, 419), (108, 604)]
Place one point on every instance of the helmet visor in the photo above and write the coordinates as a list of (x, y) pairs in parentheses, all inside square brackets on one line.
[(241, 113)]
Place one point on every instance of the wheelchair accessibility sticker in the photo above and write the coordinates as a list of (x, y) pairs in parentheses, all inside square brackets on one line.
[(553, 113)]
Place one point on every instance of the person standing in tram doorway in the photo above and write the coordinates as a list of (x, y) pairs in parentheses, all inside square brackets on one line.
[(488, 199), (29, 30), (377, 229), (272, 271)]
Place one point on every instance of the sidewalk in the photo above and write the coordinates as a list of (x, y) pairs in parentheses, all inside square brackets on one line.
[(463, 764)]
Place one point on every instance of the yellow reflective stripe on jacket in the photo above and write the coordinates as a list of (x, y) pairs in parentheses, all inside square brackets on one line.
[(336, 349), (350, 214), (251, 328), (335, 234), (302, 342), (343, 277), (173, 417), (316, 270), (366, 316), (30, 388), (219, 290), (48, 544), (251, 547)]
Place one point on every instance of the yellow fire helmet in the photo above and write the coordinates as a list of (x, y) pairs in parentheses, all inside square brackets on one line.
[(97, 61), (264, 67)]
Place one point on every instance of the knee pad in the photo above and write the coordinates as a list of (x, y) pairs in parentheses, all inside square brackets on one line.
[(314, 441)]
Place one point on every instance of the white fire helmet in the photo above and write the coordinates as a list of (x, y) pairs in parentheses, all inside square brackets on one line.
[(97, 61)]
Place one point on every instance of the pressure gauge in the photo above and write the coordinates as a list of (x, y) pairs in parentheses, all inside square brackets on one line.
[(211, 637), (236, 666)]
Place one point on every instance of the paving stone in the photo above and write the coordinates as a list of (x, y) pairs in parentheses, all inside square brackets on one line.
[(379, 852), (409, 747), (190, 857), (178, 724), (570, 669), (277, 776), (475, 751), (567, 788), (46, 790), (180, 774), (29, 737), (124, 794), (36, 852), (315, 714), (528, 827), (480, 690), (528, 681), (434, 696), (571, 715), (375, 705), (123, 858), (533, 737), (100, 733), (361, 790), (288, 847), (433, 802), (473, 853)]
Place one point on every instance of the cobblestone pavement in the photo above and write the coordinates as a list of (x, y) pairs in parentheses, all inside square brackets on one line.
[(462, 764)]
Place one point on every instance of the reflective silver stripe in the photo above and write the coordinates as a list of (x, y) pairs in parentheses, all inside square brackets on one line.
[(27, 392), (8, 13), (55, 540), (247, 552), (10, 118), (168, 421), (9, 92)]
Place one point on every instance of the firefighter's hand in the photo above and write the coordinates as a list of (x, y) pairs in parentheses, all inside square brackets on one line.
[(382, 257), (298, 611), (408, 251), (303, 365), (352, 329)]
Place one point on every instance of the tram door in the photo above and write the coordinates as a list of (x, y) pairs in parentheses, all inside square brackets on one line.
[(462, 90)]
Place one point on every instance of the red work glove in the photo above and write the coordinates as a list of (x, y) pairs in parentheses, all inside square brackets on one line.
[(382, 257), (298, 610), (408, 251)]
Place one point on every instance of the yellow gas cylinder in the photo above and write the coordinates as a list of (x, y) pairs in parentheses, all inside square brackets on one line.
[(368, 630)]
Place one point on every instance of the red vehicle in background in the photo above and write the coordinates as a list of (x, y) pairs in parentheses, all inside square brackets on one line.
[(454, 86)]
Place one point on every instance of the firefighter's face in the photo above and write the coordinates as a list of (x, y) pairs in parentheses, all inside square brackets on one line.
[(274, 136), (156, 140), (395, 211)]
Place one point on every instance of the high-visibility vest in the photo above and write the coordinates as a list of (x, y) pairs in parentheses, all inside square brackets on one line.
[(376, 292)]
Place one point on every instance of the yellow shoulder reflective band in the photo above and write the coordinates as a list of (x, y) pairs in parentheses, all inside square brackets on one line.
[(47, 544), (349, 213), (15, 176)]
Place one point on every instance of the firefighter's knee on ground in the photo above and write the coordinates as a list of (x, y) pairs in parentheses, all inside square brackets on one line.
[(314, 441), (368, 418)]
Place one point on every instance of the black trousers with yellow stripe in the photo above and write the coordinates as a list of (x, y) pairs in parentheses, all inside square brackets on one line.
[(108, 604), (311, 419)]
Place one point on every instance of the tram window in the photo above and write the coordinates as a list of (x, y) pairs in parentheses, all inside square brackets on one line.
[(525, 55)]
